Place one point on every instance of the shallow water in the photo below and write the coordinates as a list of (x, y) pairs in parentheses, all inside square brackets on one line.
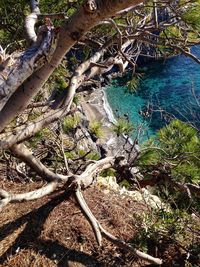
[(165, 91)]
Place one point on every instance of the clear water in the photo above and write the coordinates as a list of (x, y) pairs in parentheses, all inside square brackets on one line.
[(165, 86)]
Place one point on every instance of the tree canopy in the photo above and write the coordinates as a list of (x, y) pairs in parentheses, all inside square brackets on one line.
[(54, 52)]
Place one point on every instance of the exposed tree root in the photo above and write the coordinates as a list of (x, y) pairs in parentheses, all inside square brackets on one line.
[(99, 231), (35, 194)]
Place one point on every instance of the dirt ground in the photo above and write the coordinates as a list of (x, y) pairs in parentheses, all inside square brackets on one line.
[(52, 231)]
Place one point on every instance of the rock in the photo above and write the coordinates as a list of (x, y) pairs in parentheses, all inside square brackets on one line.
[(109, 183)]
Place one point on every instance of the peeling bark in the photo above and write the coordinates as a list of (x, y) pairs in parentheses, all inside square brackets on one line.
[(72, 31)]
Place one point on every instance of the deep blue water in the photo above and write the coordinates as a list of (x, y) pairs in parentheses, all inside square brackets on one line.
[(165, 91)]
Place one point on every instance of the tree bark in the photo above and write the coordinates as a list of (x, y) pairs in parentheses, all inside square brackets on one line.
[(73, 30)]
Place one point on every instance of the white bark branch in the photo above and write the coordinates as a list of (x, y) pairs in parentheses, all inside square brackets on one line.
[(82, 21), (31, 20), (120, 243), (33, 195), (99, 231), (33, 58), (25, 154)]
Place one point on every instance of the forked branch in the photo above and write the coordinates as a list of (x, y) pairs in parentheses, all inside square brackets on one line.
[(99, 231)]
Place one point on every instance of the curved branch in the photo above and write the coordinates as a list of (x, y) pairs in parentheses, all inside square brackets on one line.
[(31, 20), (98, 230), (92, 220), (87, 177), (71, 32), (24, 154), (190, 189), (35, 194), (120, 243)]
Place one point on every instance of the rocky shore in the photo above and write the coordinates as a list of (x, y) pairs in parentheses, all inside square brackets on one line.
[(95, 107)]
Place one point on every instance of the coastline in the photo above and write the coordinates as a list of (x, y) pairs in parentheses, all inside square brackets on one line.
[(96, 108), (107, 108)]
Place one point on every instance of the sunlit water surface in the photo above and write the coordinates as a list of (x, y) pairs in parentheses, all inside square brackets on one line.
[(170, 89)]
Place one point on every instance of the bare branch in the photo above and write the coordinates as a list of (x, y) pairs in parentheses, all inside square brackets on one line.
[(98, 230), (120, 243), (33, 195), (27, 131), (31, 20), (92, 220), (24, 154)]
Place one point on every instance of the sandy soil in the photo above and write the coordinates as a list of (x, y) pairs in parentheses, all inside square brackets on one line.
[(93, 107), (91, 111)]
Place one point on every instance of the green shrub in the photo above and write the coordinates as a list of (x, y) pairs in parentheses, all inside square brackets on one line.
[(133, 84), (178, 146), (93, 156), (159, 227), (70, 123), (108, 172), (174, 154), (43, 134), (95, 128), (123, 127)]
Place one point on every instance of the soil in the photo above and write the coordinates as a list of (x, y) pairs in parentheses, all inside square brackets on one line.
[(53, 231)]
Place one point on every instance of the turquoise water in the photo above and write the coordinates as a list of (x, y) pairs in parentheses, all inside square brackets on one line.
[(165, 91)]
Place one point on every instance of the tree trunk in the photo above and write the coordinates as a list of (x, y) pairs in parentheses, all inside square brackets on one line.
[(89, 14)]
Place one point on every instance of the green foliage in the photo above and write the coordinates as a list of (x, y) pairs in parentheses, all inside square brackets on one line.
[(74, 61), (133, 84), (95, 128), (70, 123), (123, 127), (174, 154), (172, 31), (57, 6), (81, 153), (108, 172), (12, 15), (191, 15), (149, 157), (182, 145), (76, 100), (125, 183), (70, 155), (161, 227), (43, 134), (86, 52), (57, 81), (178, 146), (93, 156)]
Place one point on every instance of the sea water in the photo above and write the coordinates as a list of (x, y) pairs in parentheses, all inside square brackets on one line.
[(168, 89)]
